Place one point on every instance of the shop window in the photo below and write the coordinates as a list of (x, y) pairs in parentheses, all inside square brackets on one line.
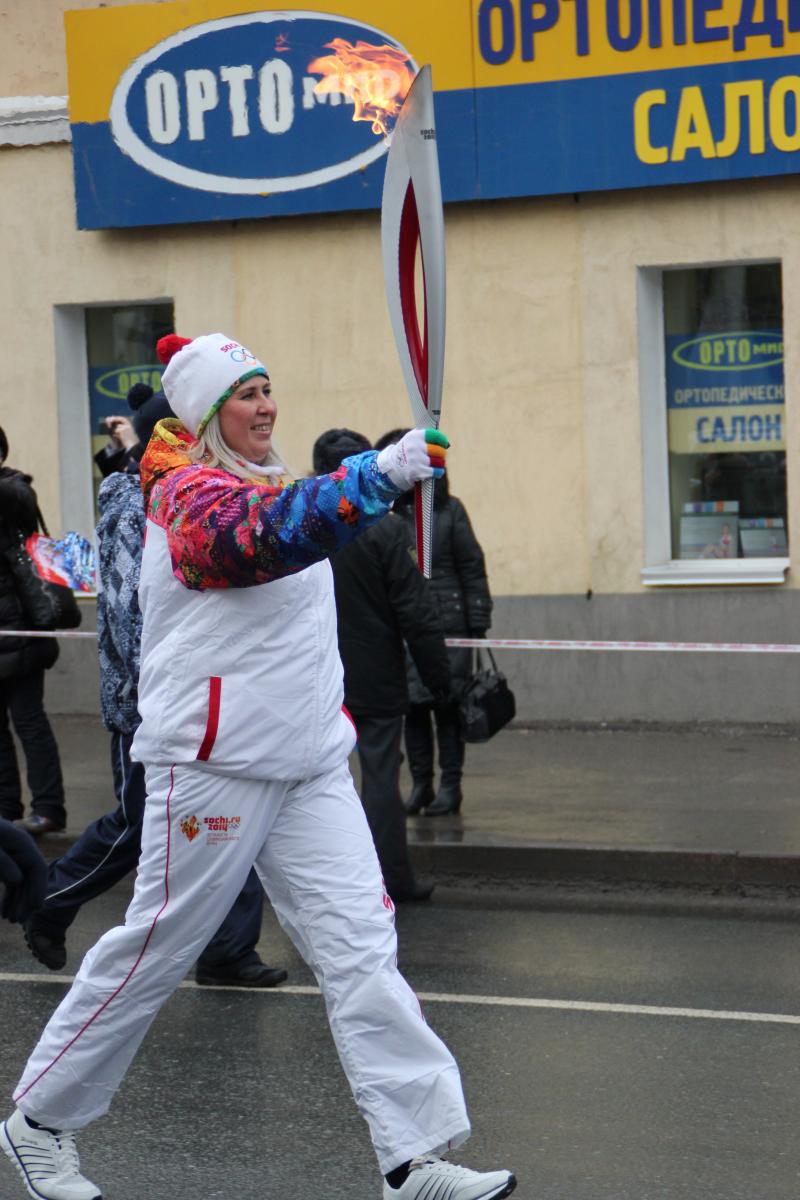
[(715, 470), (120, 351)]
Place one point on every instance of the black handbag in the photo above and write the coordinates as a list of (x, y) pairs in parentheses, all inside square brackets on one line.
[(47, 605), (487, 703)]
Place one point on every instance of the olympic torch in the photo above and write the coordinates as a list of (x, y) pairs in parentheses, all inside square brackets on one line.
[(412, 223)]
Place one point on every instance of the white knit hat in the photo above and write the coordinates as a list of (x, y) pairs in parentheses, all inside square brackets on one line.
[(202, 374)]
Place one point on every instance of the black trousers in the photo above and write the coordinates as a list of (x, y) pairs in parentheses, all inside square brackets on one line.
[(380, 757), (108, 850), (22, 703), (419, 743)]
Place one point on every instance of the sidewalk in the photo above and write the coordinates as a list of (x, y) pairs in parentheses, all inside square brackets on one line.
[(711, 806), (717, 807)]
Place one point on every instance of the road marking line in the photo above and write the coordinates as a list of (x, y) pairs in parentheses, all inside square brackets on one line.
[(596, 1006), (643, 1010)]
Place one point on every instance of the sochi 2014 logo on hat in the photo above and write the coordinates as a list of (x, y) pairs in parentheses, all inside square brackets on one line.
[(237, 353)]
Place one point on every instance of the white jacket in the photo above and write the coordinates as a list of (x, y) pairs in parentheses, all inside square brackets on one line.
[(245, 679)]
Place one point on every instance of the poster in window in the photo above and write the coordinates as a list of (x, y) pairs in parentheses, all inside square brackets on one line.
[(709, 530), (763, 537)]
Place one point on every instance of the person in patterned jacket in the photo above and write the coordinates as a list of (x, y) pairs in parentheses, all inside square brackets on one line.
[(246, 751), (109, 848)]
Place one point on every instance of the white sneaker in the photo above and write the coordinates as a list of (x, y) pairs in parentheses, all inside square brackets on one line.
[(431, 1178), (48, 1162)]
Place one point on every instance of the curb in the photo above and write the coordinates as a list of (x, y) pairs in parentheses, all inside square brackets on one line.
[(547, 863), (571, 864)]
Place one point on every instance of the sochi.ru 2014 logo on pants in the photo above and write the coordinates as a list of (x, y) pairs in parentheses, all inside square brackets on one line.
[(218, 829)]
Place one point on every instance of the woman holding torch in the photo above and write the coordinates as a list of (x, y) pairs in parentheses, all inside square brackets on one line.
[(245, 744)]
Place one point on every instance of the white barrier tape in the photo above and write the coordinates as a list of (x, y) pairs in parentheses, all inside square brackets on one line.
[(673, 647), (48, 633), (525, 643)]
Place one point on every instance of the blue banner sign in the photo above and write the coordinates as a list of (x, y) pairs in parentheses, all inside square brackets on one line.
[(109, 387), (253, 128), (226, 113), (725, 392)]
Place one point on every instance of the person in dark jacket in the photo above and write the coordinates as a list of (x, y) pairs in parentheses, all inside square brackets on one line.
[(459, 583), (109, 848), (382, 600), (23, 662)]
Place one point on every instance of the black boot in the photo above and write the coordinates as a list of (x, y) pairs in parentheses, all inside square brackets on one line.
[(421, 796), (419, 750), (448, 801), (451, 762)]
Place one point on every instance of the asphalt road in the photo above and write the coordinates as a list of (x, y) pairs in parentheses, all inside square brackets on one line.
[(238, 1094)]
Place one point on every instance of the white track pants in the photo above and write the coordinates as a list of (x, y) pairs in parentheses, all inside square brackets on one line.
[(312, 847)]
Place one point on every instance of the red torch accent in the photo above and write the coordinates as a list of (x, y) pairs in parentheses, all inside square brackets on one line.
[(418, 346), (409, 243)]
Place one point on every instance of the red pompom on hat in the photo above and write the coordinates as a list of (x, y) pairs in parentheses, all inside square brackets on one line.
[(167, 346)]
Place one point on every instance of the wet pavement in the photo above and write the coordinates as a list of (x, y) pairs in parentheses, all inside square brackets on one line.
[(693, 789), (240, 1094), (613, 1046)]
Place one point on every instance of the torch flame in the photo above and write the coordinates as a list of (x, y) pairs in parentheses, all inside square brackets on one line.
[(376, 78)]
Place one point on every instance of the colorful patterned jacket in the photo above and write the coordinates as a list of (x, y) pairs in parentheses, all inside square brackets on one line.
[(224, 532), (240, 670)]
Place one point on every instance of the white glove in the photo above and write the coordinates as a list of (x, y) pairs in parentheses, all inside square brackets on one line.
[(419, 455)]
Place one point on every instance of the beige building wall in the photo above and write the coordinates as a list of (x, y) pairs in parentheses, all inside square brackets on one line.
[(542, 401), (542, 383)]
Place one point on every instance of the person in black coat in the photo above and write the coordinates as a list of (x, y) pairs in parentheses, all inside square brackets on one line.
[(382, 600), (459, 583), (23, 662)]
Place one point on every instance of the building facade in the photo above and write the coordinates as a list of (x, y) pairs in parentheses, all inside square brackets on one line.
[(623, 259)]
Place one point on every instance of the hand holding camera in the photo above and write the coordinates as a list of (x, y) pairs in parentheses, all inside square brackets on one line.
[(122, 440), (121, 432)]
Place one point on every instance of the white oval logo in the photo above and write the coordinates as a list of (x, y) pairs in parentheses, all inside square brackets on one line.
[(230, 106)]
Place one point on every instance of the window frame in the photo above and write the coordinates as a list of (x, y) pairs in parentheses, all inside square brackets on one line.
[(72, 399), (660, 569), (74, 435)]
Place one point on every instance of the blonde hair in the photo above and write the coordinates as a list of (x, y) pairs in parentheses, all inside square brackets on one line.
[(213, 451)]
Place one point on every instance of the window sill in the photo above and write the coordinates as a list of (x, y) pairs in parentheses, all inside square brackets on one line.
[(696, 573)]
